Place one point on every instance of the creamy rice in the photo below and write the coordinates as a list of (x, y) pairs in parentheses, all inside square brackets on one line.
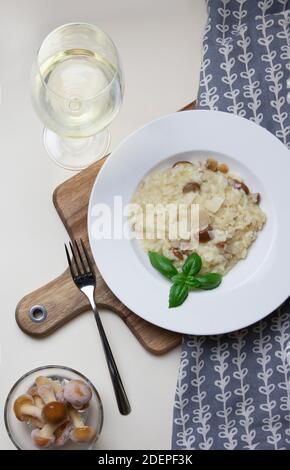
[(229, 215)]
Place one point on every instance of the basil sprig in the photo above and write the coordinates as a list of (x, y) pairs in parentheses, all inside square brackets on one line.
[(185, 280)]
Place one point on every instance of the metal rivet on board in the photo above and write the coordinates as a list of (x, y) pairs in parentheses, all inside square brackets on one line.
[(37, 313)]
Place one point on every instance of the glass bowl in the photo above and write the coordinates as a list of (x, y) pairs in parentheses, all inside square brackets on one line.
[(19, 432)]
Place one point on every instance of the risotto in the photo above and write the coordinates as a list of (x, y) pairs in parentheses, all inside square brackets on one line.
[(230, 216)]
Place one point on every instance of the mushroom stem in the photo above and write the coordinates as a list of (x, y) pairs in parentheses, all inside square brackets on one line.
[(36, 398), (80, 432), (41, 380), (76, 418), (44, 437), (62, 434), (31, 410), (38, 402), (46, 393)]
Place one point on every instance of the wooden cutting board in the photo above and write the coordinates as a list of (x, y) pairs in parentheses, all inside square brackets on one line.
[(51, 306)]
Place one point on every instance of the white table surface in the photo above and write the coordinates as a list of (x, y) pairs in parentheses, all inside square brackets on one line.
[(160, 45)]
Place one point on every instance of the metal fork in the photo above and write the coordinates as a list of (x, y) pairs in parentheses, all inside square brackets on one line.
[(83, 275)]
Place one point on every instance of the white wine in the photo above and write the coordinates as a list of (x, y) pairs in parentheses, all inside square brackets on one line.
[(76, 92)]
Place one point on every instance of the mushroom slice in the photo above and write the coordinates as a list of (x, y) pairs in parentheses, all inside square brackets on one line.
[(192, 186), (25, 410), (80, 432), (255, 198), (177, 253), (223, 168), (181, 162), (221, 245), (205, 235), (212, 164), (238, 185), (77, 393)]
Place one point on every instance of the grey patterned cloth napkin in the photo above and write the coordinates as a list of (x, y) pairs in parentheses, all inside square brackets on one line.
[(233, 390)]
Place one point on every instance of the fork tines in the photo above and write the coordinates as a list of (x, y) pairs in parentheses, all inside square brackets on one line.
[(79, 262)]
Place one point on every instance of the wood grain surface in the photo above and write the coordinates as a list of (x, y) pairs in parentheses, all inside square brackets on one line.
[(61, 298)]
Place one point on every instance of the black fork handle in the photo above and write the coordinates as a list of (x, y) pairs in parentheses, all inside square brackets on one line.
[(120, 394), (85, 280)]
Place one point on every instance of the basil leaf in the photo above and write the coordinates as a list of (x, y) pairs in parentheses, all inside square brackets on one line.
[(209, 281), (189, 281), (192, 265), (180, 277), (164, 265), (178, 294), (192, 282)]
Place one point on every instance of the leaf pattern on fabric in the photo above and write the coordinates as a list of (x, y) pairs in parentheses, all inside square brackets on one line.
[(251, 89), (245, 407), (233, 391), (281, 325), (228, 431), (271, 422), (185, 436), (201, 412), (274, 73)]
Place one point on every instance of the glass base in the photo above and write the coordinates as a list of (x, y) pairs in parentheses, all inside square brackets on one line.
[(76, 153)]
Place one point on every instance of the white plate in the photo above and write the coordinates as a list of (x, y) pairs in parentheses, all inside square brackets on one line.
[(255, 286)]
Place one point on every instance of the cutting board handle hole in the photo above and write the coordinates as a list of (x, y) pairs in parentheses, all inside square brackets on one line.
[(37, 313)]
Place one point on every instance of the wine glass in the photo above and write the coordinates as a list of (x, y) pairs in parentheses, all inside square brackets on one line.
[(77, 89)]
